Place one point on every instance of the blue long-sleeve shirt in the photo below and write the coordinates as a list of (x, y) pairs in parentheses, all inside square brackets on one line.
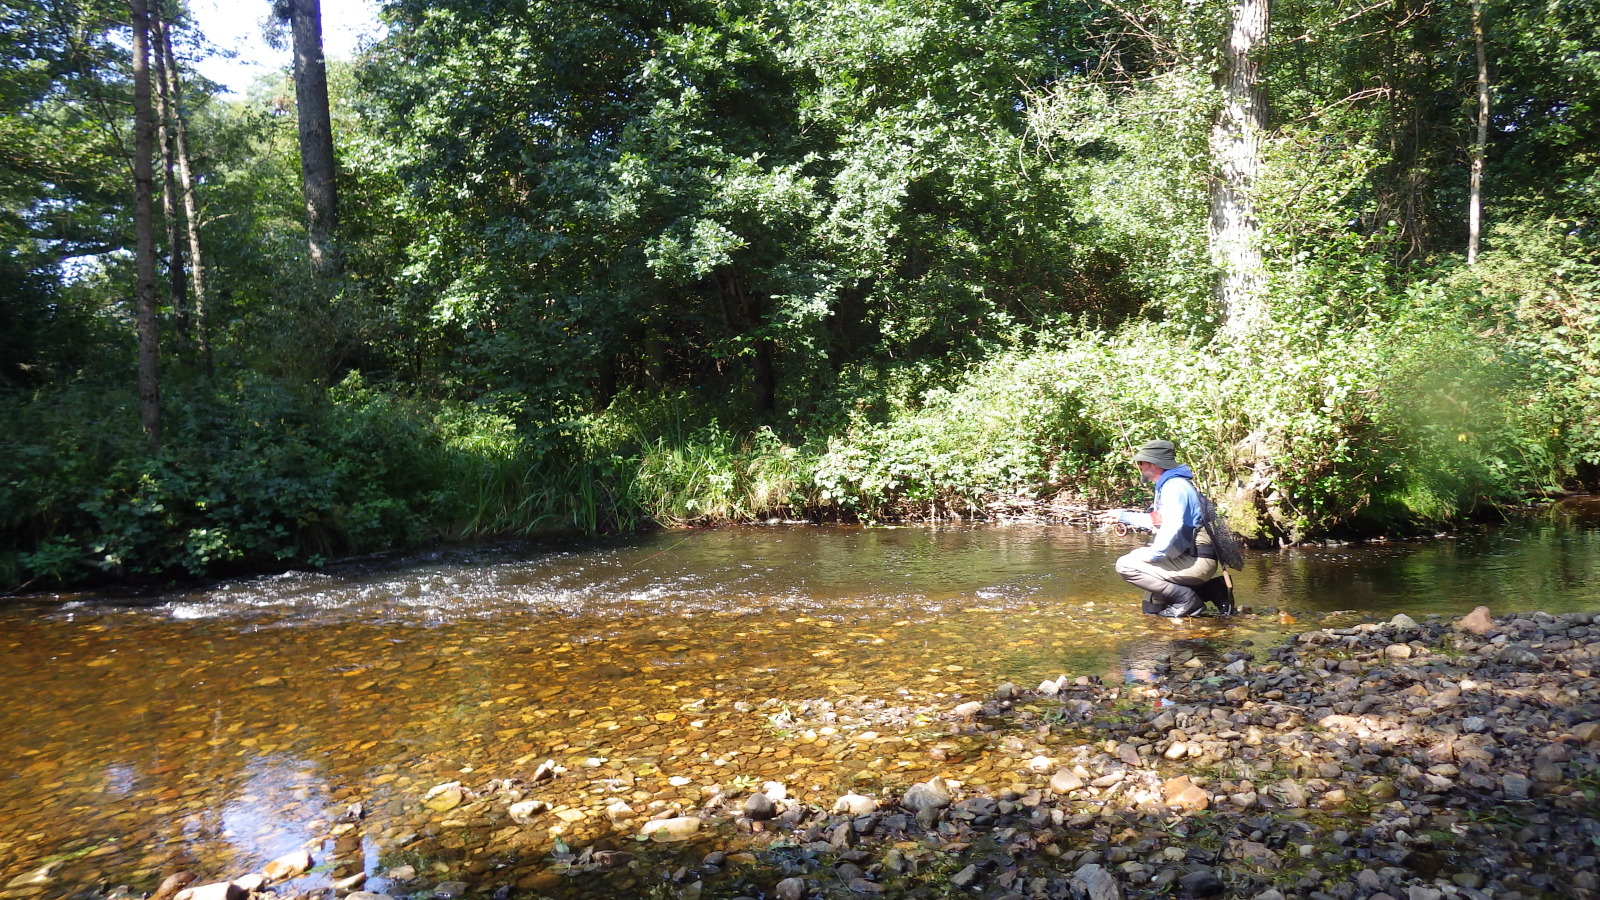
[(1179, 505)]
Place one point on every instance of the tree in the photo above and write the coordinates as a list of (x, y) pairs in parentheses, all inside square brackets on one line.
[(172, 90), (316, 133), (1236, 151), (144, 226), (1480, 146)]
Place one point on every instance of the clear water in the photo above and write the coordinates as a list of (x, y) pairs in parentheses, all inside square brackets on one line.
[(217, 729)]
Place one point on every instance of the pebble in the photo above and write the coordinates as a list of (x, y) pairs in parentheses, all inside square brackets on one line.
[(217, 890), (759, 807), (1477, 622), (1097, 883), (664, 831), (855, 805), (790, 889), (41, 875), (287, 866), (965, 878), (1065, 781), (930, 795), (1199, 885), (449, 890), (526, 812)]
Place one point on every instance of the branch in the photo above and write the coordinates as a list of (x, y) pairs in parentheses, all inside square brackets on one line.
[(1309, 37)]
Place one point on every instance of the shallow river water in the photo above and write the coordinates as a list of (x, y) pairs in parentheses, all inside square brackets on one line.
[(217, 729)]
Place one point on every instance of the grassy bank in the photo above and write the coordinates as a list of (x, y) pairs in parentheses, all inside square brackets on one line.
[(1339, 423)]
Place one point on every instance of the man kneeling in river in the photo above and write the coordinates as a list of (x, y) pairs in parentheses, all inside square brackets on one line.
[(1181, 557)]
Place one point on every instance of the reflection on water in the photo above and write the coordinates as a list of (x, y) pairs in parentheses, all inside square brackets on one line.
[(217, 729)]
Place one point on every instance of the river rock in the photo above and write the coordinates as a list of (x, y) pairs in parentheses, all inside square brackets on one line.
[(855, 805), (217, 890), (449, 890), (619, 812), (1515, 786), (1588, 732), (401, 873), (287, 866), (172, 884), (1478, 621), (1007, 691), (1199, 885), (40, 875), (1040, 765), (1065, 781), (969, 709), (255, 881), (1397, 651), (759, 807), (1243, 799), (443, 797), (1382, 790), (933, 794), (1289, 793), (965, 877), (1184, 794), (1401, 620), (367, 895), (527, 812), (775, 790), (1096, 883), (790, 889), (1253, 851), (666, 831)]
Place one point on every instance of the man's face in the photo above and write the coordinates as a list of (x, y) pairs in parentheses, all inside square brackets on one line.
[(1149, 470)]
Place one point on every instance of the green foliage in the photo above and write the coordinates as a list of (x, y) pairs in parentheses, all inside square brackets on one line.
[(263, 473), (717, 260)]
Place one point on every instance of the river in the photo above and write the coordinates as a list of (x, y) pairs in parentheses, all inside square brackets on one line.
[(217, 729)]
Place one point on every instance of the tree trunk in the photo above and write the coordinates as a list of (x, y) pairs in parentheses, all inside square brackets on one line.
[(191, 210), (1475, 208), (316, 135), (144, 226), (1236, 151), (169, 202)]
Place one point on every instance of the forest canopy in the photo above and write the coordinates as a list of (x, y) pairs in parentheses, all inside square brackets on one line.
[(566, 265)]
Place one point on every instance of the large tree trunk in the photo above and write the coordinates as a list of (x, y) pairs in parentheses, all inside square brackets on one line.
[(191, 211), (144, 226), (1475, 208), (169, 202), (316, 135), (1236, 152)]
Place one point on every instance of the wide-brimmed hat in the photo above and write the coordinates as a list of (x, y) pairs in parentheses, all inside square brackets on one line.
[(1160, 453)]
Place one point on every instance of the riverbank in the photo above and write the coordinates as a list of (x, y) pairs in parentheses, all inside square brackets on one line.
[(1415, 761)]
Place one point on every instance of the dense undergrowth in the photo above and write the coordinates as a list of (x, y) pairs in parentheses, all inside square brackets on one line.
[(1468, 393)]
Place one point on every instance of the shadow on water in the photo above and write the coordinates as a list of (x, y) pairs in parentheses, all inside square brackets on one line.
[(219, 728)]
